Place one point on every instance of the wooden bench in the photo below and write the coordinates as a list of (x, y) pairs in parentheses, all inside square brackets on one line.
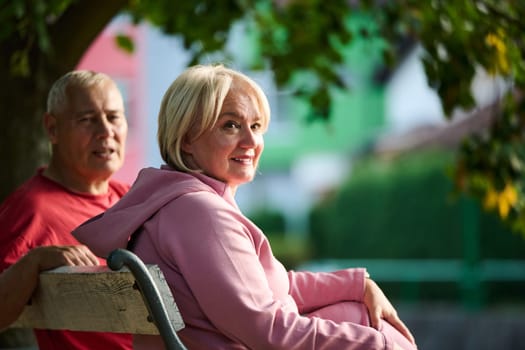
[(125, 297)]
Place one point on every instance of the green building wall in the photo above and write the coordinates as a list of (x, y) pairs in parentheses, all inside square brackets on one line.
[(357, 116)]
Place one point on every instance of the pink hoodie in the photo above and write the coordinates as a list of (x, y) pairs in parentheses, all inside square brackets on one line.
[(230, 289)]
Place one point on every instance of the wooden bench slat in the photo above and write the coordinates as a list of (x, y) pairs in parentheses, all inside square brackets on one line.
[(95, 299)]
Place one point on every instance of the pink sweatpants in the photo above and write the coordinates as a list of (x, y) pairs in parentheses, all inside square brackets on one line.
[(356, 312)]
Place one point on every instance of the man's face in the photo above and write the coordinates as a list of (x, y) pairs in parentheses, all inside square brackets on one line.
[(89, 134)]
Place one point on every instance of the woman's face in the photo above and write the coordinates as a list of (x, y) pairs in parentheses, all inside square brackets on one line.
[(230, 150)]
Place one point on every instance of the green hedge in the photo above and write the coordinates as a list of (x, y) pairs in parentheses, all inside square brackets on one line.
[(406, 209)]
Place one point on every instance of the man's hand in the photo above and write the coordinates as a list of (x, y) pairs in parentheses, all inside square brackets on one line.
[(18, 282), (49, 257)]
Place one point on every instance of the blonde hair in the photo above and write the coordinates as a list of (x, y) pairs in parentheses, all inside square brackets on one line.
[(192, 104), (57, 97)]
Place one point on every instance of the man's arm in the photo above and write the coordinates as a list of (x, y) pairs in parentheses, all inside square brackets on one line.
[(18, 282)]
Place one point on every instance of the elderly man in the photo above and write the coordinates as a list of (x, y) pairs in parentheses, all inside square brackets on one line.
[(87, 129)]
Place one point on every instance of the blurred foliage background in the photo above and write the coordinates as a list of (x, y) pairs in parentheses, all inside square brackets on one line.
[(459, 38)]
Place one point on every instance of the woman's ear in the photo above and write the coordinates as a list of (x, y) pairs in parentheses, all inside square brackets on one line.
[(50, 125), (186, 145)]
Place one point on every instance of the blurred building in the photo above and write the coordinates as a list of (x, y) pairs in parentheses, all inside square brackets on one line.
[(414, 116)]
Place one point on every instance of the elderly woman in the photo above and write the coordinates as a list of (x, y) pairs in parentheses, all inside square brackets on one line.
[(230, 289)]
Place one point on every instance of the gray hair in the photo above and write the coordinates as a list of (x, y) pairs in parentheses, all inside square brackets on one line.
[(193, 103), (57, 97)]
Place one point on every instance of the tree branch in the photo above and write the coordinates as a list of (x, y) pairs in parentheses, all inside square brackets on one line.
[(90, 16), (496, 12)]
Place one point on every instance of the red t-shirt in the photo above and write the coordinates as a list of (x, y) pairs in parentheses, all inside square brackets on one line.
[(39, 213)]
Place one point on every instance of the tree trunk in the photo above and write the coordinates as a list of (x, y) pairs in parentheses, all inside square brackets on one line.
[(23, 144)]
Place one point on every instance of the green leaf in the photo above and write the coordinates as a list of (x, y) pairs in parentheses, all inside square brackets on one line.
[(125, 42)]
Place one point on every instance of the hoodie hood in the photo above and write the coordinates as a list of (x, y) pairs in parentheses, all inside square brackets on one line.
[(152, 190)]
